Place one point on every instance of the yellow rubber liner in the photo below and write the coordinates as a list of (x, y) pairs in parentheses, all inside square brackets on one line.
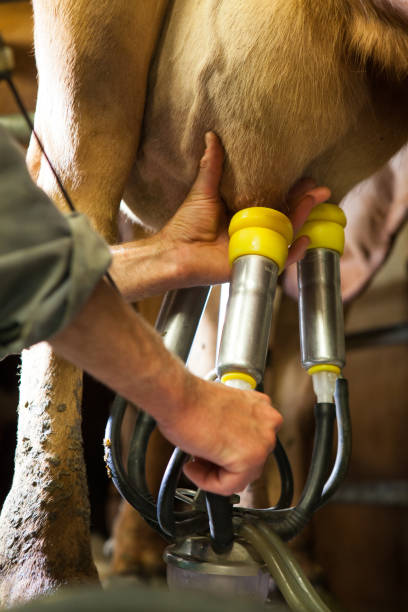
[(260, 231), (325, 227)]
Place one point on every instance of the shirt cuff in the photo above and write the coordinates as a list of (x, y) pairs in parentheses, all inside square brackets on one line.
[(81, 258), (91, 258)]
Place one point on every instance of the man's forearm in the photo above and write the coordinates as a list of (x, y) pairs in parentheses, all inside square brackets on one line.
[(145, 267), (230, 432), (111, 341)]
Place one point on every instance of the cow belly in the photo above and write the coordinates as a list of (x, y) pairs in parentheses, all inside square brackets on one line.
[(280, 111)]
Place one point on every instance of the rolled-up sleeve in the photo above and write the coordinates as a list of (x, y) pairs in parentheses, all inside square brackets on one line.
[(49, 263)]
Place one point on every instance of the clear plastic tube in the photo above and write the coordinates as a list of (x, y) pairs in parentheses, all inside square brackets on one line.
[(237, 383), (324, 385), (289, 577)]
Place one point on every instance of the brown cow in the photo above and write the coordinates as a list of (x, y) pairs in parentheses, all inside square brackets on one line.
[(291, 86)]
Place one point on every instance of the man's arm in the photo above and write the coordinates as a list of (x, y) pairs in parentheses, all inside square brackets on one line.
[(49, 264), (230, 432)]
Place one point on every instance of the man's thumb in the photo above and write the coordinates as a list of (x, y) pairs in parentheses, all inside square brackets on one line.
[(210, 169)]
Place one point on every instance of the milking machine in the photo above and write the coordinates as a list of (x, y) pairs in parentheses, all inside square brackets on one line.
[(216, 544)]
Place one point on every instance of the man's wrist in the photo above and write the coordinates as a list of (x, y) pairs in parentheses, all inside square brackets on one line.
[(164, 386), (147, 267)]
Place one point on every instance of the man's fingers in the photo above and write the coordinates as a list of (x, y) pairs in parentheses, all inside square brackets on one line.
[(210, 170), (302, 208), (300, 188), (210, 477), (297, 250)]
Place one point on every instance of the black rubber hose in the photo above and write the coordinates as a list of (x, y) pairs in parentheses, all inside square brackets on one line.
[(344, 441), (286, 476), (139, 501), (286, 495), (144, 503), (165, 500), (288, 523), (321, 457), (177, 524), (219, 510), (136, 462)]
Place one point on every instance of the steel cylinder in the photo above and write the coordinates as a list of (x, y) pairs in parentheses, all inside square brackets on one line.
[(244, 340), (320, 309), (179, 318)]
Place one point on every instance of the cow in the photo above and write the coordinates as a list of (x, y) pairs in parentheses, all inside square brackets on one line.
[(292, 87)]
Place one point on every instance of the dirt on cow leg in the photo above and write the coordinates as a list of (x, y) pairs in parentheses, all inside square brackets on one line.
[(44, 525)]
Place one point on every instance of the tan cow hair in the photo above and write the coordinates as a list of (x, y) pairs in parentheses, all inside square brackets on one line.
[(278, 95), (378, 31)]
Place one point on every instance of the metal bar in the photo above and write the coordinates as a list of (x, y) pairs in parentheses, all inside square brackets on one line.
[(377, 493), (179, 318), (380, 336)]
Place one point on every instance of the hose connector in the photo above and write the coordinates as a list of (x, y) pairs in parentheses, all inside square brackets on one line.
[(259, 240)]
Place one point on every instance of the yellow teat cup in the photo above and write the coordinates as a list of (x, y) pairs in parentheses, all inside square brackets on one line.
[(260, 231)]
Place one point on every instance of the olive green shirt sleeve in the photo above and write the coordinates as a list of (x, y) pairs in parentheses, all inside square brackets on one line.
[(49, 263)]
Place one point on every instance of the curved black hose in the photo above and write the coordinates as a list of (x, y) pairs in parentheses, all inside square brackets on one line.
[(142, 503), (287, 523), (286, 476), (191, 521), (344, 441), (165, 500), (321, 457), (136, 462), (219, 510)]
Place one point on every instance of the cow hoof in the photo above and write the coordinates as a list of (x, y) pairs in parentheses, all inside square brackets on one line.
[(137, 549), (145, 565)]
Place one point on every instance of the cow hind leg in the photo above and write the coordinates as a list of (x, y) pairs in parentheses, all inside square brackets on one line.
[(44, 527), (89, 109)]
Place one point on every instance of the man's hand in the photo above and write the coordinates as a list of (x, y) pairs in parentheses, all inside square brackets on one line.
[(303, 196), (192, 248), (229, 432), (198, 232)]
